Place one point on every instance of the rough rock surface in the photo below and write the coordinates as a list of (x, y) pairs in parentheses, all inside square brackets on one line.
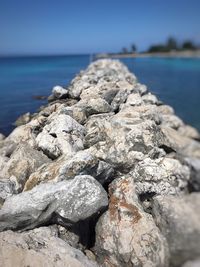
[(104, 154), (126, 235), (67, 201), (179, 221), (39, 247)]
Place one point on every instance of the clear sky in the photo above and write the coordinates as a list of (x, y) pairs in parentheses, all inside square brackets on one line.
[(88, 26)]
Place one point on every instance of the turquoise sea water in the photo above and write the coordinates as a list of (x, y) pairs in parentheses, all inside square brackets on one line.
[(175, 81)]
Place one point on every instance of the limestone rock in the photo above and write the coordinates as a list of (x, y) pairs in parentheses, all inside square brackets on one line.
[(179, 221), (94, 106), (68, 201), (7, 189), (63, 135), (59, 92), (125, 234), (64, 168), (23, 119), (2, 137), (161, 176), (23, 162), (39, 248)]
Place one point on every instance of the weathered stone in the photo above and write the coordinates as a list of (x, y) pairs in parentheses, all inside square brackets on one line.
[(193, 263), (39, 247), (94, 106), (63, 135), (161, 176), (77, 113), (171, 120), (179, 143), (7, 189), (125, 234), (64, 168), (23, 162), (189, 131), (68, 201), (179, 221), (194, 182), (23, 119), (2, 137), (150, 99), (59, 92)]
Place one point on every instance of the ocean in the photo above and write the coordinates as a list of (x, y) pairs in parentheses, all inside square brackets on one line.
[(176, 81)]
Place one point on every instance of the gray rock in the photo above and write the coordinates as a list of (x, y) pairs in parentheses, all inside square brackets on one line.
[(162, 176), (179, 221), (7, 189), (39, 247), (59, 92), (2, 137), (125, 234), (68, 201), (194, 263), (194, 182), (63, 135), (150, 99), (83, 162), (23, 162), (23, 119), (77, 113), (94, 106)]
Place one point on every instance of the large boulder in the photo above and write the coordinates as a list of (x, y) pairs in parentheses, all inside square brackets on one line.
[(125, 234), (23, 162), (179, 220), (40, 247), (66, 168), (66, 201), (162, 176), (62, 135)]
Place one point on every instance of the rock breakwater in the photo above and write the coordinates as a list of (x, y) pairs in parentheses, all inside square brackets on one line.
[(104, 175)]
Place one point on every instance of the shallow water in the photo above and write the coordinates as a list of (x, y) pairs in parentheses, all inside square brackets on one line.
[(175, 81)]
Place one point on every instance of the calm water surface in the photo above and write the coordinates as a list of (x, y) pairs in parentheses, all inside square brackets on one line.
[(175, 81)]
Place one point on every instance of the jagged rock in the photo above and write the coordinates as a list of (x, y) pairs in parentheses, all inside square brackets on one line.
[(59, 92), (39, 247), (125, 234), (2, 137), (7, 189), (183, 145), (64, 168), (23, 119), (77, 113), (189, 131), (120, 141), (194, 182), (23, 162), (171, 120), (150, 99), (63, 135), (179, 220), (94, 106), (140, 88), (134, 100), (68, 201), (161, 176), (194, 263), (165, 110), (23, 133)]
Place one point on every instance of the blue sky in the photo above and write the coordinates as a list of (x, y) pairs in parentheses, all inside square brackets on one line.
[(89, 26)]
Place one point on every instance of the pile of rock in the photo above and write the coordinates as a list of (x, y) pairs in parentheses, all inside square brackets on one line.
[(104, 175)]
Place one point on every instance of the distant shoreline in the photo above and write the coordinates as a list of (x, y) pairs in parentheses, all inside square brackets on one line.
[(173, 54)]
